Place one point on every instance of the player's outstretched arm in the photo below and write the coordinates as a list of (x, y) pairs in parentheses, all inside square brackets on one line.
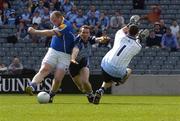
[(74, 54), (103, 39), (125, 29), (74, 65), (51, 32)]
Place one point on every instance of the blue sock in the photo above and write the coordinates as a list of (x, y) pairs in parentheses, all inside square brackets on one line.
[(89, 94), (33, 85), (102, 89)]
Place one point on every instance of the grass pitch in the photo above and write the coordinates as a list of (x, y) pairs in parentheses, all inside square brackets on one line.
[(76, 108)]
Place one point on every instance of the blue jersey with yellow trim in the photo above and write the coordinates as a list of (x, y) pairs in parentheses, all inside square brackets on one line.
[(64, 39)]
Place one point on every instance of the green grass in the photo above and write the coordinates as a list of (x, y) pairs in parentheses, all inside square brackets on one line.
[(75, 108)]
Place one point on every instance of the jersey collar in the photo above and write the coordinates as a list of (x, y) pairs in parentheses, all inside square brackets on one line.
[(131, 37)]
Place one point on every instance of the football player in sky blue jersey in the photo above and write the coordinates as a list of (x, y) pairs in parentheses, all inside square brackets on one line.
[(79, 66), (58, 55)]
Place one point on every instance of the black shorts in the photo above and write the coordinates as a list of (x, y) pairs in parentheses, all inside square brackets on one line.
[(75, 71), (108, 78)]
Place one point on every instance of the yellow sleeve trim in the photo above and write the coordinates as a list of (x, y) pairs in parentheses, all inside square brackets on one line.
[(62, 26)]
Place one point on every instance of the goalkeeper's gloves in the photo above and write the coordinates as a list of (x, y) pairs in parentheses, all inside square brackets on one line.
[(143, 34), (134, 20)]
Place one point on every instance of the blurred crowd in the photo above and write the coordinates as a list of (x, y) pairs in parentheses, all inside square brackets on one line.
[(14, 68), (36, 13), (162, 35)]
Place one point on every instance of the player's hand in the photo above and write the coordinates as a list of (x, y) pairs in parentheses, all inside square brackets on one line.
[(74, 61), (31, 30), (74, 65), (143, 34)]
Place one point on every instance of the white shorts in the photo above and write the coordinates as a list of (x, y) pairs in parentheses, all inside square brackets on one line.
[(57, 59)]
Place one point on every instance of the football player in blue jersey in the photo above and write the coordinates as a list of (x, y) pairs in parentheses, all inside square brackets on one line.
[(58, 55)]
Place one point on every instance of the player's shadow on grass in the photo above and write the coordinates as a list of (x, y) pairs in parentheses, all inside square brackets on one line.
[(138, 104), (70, 103)]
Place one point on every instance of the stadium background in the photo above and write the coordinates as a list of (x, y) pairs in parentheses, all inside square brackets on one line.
[(149, 62)]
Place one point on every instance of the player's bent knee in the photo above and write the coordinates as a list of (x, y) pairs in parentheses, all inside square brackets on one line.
[(129, 71), (57, 80), (44, 71)]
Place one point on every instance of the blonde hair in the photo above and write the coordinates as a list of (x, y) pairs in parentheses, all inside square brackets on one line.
[(56, 14)]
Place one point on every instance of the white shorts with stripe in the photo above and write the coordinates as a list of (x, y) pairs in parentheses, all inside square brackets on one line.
[(57, 59)]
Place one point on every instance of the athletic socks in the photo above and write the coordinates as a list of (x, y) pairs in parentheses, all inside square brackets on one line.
[(101, 90), (89, 94), (32, 85), (52, 94)]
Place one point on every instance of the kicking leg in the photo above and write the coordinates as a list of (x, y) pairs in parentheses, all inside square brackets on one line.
[(38, 78)]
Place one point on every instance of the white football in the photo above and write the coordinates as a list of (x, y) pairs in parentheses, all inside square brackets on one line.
[(43, 97)]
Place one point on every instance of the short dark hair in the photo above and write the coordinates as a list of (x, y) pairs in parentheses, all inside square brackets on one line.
[(85, 27), (133, 30), (35, 24)]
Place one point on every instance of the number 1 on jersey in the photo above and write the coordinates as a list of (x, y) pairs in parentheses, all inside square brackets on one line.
[(121, 50)]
